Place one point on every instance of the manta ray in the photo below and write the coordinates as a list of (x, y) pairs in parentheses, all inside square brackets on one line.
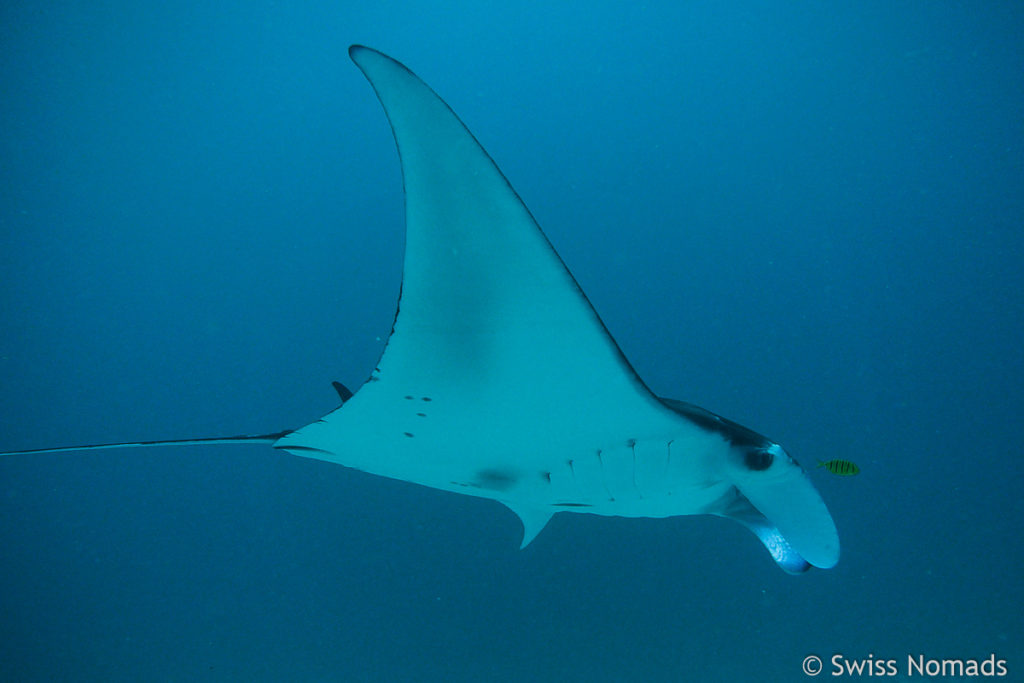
[(500, 381)]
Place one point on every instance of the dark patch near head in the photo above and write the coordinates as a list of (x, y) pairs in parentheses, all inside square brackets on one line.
[(408, 434), (757, 459), (408, 398), (427, 399), (421, 414), (496, 480)]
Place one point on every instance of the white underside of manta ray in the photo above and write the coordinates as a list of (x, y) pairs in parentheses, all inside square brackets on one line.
[(500, 381)]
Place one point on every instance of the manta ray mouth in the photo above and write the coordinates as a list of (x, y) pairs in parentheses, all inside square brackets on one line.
[(796, 520)]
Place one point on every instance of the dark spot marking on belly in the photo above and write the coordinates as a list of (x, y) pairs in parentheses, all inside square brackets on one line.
[(427, 399), (546, 476), (496, 480), (421, 414), (408, 434), (408, 398)]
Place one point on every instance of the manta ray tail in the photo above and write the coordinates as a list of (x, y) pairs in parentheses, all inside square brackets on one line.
[(242, 438)]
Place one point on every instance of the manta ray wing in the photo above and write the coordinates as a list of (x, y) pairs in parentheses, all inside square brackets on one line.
[(497, 369)]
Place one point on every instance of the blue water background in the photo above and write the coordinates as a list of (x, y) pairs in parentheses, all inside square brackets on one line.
[(808, 217)]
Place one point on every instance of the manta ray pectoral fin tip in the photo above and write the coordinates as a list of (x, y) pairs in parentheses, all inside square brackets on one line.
[(357, 53)]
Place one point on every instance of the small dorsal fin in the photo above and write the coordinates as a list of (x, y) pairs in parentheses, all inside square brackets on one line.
[(342, 390)]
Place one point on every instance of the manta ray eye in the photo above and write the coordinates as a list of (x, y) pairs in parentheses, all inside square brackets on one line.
[(758, 459)]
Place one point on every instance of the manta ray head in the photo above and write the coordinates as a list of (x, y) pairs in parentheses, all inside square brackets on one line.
[(771, 493), (774, 498)]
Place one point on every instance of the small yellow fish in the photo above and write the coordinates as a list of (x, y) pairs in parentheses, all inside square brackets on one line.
[(844, 468)]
